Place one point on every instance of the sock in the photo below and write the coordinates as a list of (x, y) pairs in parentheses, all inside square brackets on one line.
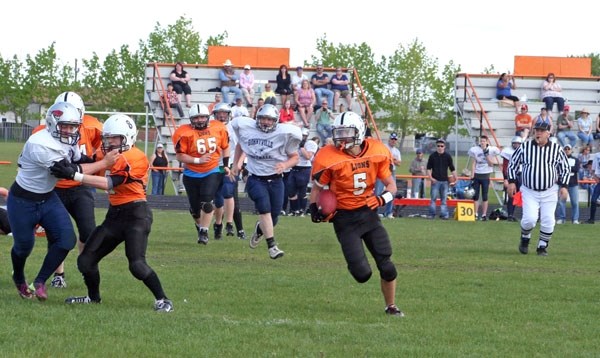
[(59, 274), (271, 242)]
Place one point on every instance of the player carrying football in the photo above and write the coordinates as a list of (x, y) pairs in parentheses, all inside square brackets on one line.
[(350, 168)]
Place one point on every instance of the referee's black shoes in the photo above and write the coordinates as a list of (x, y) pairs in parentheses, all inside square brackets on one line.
[(524, 247)]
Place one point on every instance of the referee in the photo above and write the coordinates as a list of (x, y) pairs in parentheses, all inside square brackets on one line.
[(545, 168)]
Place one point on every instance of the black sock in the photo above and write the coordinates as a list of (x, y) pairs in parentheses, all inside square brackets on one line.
[(271, 242)]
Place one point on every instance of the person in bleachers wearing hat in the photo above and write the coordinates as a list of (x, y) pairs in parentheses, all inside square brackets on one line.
[(229, 82), (523, 122), (564, 127), (585, 126), (418, 167)]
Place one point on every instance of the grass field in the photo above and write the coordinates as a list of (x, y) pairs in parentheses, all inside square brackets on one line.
[(465, 289)]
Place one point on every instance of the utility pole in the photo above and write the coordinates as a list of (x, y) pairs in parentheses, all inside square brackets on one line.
[(76, 70)]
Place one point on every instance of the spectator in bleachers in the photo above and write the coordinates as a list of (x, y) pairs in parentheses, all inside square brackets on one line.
[(247, 85), (284, 83), (564, 127), (324, 117), (340, 88), (259, 105), (268, 95), (173, 99), (506, 83), (585, 127), (297, 79), (218, 99), (546, 117), (594, 175), (320, 81), (239, 109), (229, 82), (305, 100), (287, 114), (180, 80), (552, 93), (597, 126), (386, 210), (586, 172), (523, 122), (584, 157)]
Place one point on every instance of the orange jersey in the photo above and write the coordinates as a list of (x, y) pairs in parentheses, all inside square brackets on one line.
[(523, 120), (133, 165), (213, 140), (352, 179), (90, 140)]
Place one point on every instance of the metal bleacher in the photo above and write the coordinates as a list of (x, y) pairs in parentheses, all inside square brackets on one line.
[(483, 113), (203, 79)]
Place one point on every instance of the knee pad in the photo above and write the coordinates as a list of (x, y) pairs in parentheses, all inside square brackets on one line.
[(194, 215), (139, 269), (208, 207), (361, 273), (387, 270)]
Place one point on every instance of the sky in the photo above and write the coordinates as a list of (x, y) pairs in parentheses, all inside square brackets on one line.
[(472, 34)]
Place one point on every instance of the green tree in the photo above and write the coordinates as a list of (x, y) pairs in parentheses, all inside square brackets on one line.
[(359, 57)]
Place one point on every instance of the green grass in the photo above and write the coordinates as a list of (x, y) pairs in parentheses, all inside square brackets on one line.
[(464, 287)]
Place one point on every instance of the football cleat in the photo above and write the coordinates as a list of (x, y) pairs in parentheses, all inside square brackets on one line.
[(163, 305), (256, 236), (58, 282), (41, 292), (80, 300), (24, 291), (218, 228), (392, 310), (241, 235), (229, 230), (541, 251), (275, 253), (203, 237), (523, 246)]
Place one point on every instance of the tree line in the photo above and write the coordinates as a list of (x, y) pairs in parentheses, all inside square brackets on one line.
[(412, 90)]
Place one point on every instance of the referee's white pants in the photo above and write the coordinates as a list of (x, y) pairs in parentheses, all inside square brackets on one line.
[(542, 204)]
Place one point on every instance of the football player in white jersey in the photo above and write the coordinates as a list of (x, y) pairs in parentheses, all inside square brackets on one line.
[(270, 150), (32, 199)]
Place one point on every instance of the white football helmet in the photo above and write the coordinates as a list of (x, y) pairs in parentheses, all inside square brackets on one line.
[(267, 111), (199, 116), (222, 112), (119, 125), (469, 192), (74, 99), (59, 116), (348, 130)]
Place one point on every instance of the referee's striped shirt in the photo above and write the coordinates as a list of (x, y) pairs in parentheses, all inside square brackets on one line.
[(542, 166)]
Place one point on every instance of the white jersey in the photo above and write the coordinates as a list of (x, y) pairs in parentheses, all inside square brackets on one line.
[(507, 152), (310, 146), (481, 164), (265, 150), (40, 153), (239, 111)]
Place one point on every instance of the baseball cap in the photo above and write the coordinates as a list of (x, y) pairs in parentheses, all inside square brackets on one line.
[(247, 67), (440, 140), (299, 68), (567, 108), (419, 151), (159, 145), (567, 146), (524, 107), (394, 136)]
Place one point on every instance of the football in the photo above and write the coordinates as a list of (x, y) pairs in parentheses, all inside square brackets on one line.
[(327, 202)]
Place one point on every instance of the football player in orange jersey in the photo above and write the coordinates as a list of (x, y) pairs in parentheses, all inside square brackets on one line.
[(129, 217), (78, 199), (350, 168), (199, 146)]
